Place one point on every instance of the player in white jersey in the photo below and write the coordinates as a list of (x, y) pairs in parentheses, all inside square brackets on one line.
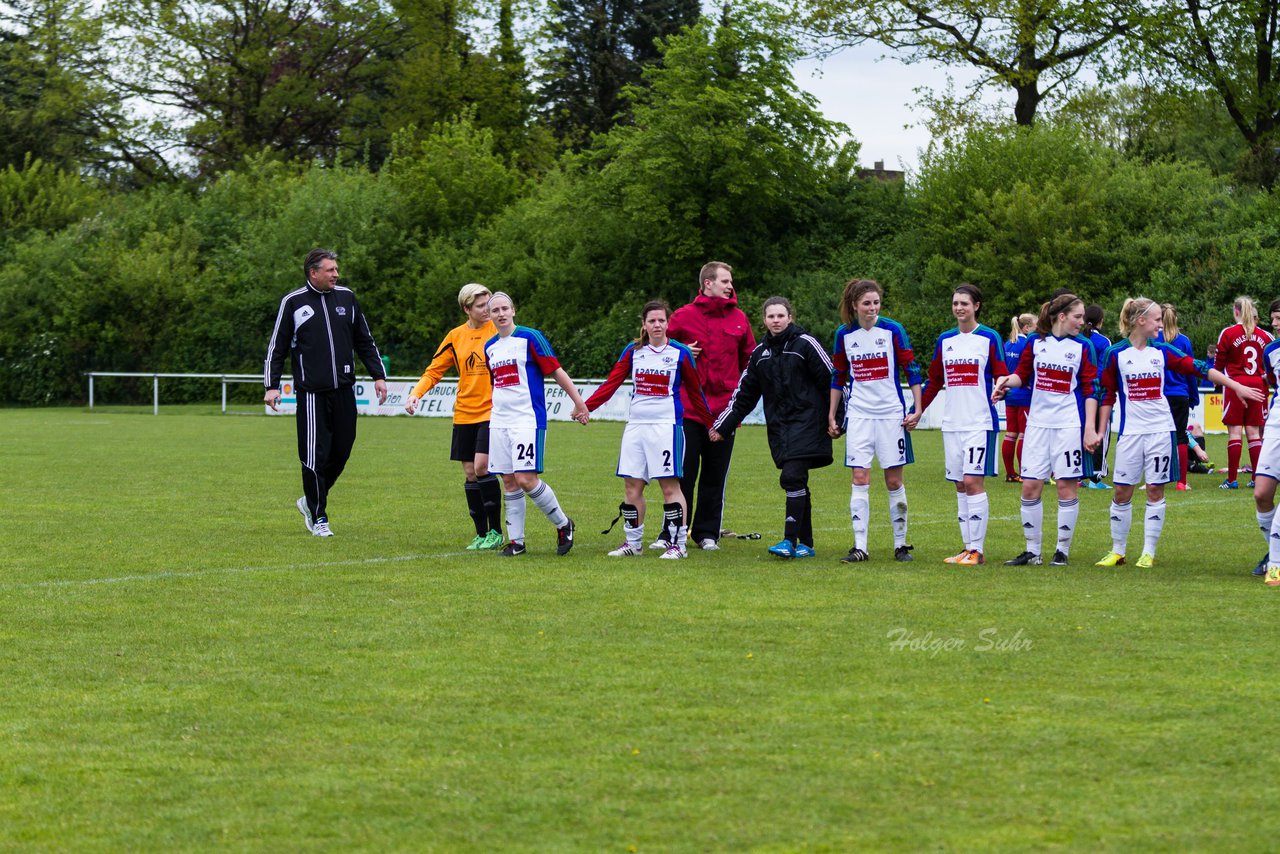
[(518, 358), (1267, 472), (1133, 372), (966, 363), (869, 353), (1057, 364), (653, 441)]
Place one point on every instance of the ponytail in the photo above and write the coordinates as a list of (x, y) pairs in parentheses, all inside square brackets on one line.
[(1018, 323), (1133, 308), (1050, 311), (1170, 322), (1248, 314)]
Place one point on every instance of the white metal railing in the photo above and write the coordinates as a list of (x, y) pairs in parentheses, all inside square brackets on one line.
[(224, 379)]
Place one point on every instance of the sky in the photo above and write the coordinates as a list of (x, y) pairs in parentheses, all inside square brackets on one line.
[(875, 98)]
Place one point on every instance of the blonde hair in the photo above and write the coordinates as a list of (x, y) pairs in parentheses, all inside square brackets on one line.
[(469, 294), (1248, 314), (1170, 322), (1019, 322), (1133, 308)]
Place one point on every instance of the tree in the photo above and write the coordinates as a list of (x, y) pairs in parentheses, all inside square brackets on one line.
[(726, 152), (54, 104), (1230, 48), (439, 74), (1033, 47), (248, 75), (598, 48)]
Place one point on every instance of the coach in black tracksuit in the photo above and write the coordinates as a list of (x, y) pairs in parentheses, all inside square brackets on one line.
[(792, 372), (320, 325)]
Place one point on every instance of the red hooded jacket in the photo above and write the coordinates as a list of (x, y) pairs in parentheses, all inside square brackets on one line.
[(722, 331)]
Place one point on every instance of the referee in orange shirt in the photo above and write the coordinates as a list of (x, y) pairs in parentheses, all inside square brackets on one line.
[(463, 350)]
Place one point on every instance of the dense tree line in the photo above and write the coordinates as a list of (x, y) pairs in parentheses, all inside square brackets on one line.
[(431, 151)]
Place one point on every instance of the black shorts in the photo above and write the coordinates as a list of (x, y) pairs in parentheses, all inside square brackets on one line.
[(469, 440)]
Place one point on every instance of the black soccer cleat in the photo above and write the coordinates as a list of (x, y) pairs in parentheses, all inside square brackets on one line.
[(512, 549), (564, 537), (902, 554), (855, 555), (1059, 558), (1024, 559)]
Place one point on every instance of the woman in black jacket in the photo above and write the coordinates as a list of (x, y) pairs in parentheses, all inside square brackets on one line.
[(793, 373)]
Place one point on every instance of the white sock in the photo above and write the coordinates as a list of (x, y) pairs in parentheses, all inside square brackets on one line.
[(962, 514), (1154, 525), (1121, 519), (1033, 524), (1265, 521), (1068, 514), (1273, 541), (978, 509), (545, 500), (898, 515), (859, 514), (515, 515)]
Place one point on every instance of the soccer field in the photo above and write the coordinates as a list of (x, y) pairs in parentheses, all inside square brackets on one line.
[(184, 667)]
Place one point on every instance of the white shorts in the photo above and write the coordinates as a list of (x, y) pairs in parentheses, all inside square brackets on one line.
[(650, 451), (513, 449), (1150, 455), (1055, 451), (971, 452), (1269, 460), (882, 439)]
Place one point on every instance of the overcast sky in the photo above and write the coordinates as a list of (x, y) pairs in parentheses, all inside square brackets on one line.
[(876, 99)]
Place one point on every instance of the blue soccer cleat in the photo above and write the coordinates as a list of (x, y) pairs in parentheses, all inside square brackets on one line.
[(802, 550), (783, 549)]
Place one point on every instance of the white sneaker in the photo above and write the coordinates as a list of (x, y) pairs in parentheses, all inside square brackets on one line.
[(306, 513), (673, 553), (709, 545), (660, 544), (321, 529), (625, 550)]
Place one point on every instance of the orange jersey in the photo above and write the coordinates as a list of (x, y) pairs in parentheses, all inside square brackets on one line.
[(463, 350)]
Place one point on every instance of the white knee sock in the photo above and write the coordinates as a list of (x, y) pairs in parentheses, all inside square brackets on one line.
[(898, 515), (1068, 513), (1265, 521), (1121, 519), (978, 509), (1273, 541), (1154, 525), (545, 500), (1033, 524), (962, 514), (859, 513), (515, 515)]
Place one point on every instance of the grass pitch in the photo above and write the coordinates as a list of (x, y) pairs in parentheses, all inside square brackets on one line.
[(183, 667)]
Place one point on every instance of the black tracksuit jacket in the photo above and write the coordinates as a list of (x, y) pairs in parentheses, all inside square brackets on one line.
[(321, 330)]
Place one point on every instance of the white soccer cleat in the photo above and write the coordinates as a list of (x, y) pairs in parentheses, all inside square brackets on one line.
[(625, 550), (673, 553), (660, 545), (306, 513), (708, 545), (321, 529)]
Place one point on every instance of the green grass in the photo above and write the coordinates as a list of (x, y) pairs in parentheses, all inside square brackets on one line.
[(183, 667)]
